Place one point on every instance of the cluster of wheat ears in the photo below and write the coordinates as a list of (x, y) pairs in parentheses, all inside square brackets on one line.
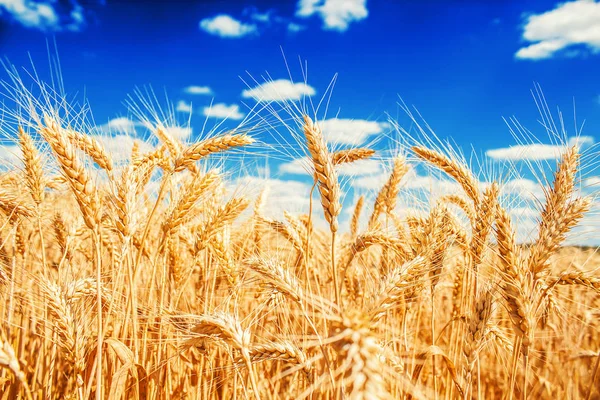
[(111, 289)]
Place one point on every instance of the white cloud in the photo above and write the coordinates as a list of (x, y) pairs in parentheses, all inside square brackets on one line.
[(523, 212), (303, 166), (592, 182), (523, 188), (581, 141), (571, 23), (198, 90), (184, 107), (260, 17), (527, 152), (282, 195), (119, 146), (293, 27), (541, 50), (225, 26), (336, 14), (298, 166), (370, 182), (10, 156), (538, 151), (119, 125), (224, 111), (42, 15), (360, 168), (179, 132), (123, 125), (420, 188), (279, 90), (350, 131)]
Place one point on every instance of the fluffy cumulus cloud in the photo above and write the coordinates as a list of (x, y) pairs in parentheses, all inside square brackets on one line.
[(574, 23), (538, 151), (179, 132), (527, 152), (225, 26), (336, 14), (44, 15), (10, 156), (350, 131), (201, 90), (119, 125), (279, 90), (523, 188), (592, 182), (184, 107), (224, 111)]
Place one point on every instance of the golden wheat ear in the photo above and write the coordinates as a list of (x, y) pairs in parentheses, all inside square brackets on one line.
[(387, 197), (562, 212), (460, 173), (77, 176), (329, 187), (34, 169), (209, 146), (351, 155)]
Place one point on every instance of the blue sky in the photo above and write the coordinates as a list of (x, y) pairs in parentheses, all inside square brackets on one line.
[(463, 64), (455, 61)]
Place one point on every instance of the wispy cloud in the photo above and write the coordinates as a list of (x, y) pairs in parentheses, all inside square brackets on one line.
[(256, 15), (43, 15), (226, 26), (336, 14), (568, 24), (223, 111), (202, 90), (294, 28), (279, 90)]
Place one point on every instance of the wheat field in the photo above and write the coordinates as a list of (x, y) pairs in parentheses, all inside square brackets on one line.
[(147, 279)]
